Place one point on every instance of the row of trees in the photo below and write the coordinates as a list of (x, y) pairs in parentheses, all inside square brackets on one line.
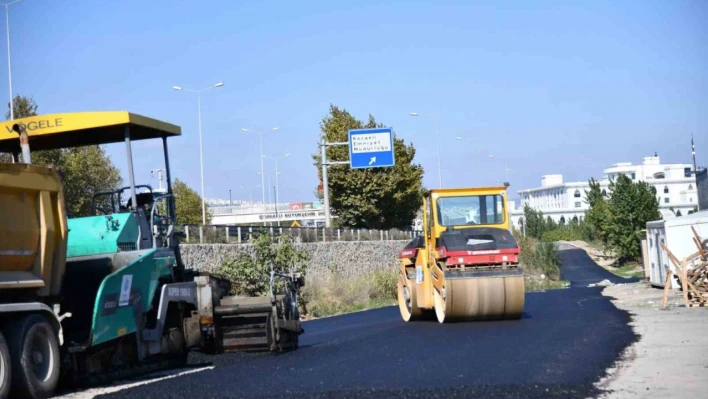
[(88, 170), (615, 219), (546, 229)]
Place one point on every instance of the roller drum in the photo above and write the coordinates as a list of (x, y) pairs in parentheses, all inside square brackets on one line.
[(480, 298)]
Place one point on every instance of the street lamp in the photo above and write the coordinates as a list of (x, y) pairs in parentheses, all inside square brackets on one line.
[(277, 172), (201, 157), (260, 144), (250, 191), (9, 64), (437, 137)]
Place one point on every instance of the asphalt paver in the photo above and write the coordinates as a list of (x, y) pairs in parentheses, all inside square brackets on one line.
[(561, 346)]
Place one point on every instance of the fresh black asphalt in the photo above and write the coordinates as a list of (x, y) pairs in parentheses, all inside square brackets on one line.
[(562, 345)]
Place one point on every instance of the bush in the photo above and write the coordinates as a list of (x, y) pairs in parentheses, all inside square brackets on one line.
[(546, 258), (561, 235), (538, 258), (250, 272)]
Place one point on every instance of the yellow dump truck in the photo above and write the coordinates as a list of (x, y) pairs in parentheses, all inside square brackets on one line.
[(33, 237), (465, 266)]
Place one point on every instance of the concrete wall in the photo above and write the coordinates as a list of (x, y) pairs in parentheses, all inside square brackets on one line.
[(352, 258)]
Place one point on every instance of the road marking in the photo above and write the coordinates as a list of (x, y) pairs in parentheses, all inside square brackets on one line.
[(163, 375)]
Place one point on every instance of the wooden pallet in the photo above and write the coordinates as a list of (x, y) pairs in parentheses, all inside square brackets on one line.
[(694, 281)]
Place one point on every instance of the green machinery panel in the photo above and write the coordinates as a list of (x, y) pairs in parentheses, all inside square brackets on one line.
[(123, 297), (96, 235)]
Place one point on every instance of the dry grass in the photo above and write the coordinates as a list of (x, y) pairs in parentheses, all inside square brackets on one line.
[(337, 294)]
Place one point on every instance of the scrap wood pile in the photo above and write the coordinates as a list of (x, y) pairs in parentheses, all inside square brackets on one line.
[(694, 280)]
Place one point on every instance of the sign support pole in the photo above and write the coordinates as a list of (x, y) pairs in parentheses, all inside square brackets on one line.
[(325, 184), (325, 180)]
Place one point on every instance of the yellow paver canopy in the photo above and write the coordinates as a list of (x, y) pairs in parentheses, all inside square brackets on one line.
[(78, 129)]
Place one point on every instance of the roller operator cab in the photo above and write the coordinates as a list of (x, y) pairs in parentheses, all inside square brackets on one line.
[(465, 266)]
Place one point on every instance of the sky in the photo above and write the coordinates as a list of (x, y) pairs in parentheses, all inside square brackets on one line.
[(545, 86)]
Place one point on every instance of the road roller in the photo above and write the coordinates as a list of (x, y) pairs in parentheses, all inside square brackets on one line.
[(465, 265)]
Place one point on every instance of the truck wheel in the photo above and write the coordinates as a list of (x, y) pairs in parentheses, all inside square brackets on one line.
[(5, 368), (34, 352)]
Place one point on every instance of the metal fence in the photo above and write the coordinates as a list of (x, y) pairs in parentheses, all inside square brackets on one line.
[(245, 234)]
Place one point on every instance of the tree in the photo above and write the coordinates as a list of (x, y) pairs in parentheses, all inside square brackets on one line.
[(631, 206), (535, 223), (598, 216), (85, 170), (188, 205), (378, 198)]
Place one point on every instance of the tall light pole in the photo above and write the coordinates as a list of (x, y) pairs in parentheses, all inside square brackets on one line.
[(9, 63), (437, 138), (260, 145), (250, 191), (277, 172), (201, 156)]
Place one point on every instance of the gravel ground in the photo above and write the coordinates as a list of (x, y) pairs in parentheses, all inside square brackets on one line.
[(670, 360)]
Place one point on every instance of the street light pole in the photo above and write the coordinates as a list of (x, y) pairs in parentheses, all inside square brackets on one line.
[(260, 145), (201, 155), (437, 138), (277, 172), (9, 63), (250, 192)]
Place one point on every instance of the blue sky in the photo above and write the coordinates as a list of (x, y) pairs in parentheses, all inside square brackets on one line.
[(547, 87)]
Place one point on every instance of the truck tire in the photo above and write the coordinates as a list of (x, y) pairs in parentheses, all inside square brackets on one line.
[(34, 352), (5, 368)]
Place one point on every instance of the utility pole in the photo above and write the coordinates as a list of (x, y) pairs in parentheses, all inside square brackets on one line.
[(229, 197), (159, 177), (695, 170)]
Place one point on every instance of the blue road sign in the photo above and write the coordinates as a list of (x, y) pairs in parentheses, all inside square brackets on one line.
[(371, 148)]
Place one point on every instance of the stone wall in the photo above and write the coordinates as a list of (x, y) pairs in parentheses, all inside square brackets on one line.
[(351, 258)]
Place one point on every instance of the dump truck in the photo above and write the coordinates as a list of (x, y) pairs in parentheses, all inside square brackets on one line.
[(465, 265), (93, 298)]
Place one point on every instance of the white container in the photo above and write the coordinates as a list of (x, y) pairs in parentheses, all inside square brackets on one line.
[(677, 235)]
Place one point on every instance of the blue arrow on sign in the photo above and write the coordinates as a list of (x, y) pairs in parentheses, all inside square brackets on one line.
[(371, 148)]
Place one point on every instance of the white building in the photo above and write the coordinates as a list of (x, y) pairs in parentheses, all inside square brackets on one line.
[(675, 188)]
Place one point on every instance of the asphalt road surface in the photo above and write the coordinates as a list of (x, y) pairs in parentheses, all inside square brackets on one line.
[(562, 345)]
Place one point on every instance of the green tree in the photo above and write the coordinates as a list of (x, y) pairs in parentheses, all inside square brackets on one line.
[(85, 170), (631, 206), (378, 198), (535, 223), (188, 205), (598, 216)]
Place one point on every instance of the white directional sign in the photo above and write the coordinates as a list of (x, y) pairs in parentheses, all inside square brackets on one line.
[(371, 148)]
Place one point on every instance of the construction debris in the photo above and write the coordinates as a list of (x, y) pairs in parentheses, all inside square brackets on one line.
[(692, 273)]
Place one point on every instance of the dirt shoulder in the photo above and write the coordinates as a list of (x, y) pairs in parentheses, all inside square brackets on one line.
[(670, 360)]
